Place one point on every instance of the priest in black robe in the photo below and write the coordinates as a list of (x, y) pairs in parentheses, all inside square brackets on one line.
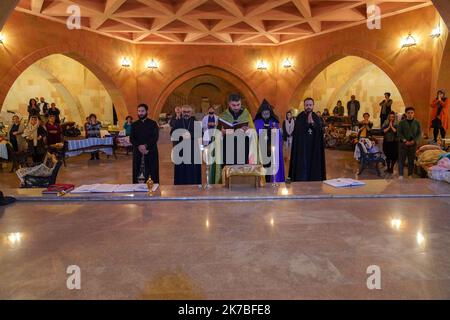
[(188, 172), (144, 138), (308, 148)]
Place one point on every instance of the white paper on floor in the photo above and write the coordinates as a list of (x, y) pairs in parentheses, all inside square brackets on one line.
[(344, 182)]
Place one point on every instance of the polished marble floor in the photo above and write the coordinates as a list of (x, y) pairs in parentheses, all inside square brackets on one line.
[(300, 247), (288, 249)]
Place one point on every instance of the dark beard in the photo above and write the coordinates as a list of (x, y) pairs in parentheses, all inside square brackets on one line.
[(143, 117)]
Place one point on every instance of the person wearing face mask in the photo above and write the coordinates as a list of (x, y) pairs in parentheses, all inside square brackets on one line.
[(209, 122), (189, 171), (308, 147), (267, 126), (144, 137)]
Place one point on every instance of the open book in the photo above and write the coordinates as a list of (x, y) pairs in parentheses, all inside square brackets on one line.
[(227, 125), (344, 182), (113, 188)]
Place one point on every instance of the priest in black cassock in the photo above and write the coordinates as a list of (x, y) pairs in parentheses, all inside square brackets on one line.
[(189, 172), (144, 138), (308, 148)]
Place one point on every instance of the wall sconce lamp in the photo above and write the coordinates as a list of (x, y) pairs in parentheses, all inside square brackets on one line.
[(2, 38), (125, 62), (436, 33), (152, 64), (409, 41), (262, 65), (287, 63)]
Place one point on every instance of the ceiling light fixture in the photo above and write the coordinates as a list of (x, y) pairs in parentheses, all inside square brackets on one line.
[(262, 65), (125, 62), (436, 33), (409, 41), (287, 63), (152, 64), (2, 38)]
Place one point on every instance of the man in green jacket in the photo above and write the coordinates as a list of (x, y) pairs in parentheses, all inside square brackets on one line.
[(409, 134)]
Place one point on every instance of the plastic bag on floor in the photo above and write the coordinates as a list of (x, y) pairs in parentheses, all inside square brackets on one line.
[(439, 175)]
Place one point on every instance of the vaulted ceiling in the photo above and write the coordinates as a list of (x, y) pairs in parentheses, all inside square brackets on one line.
[(235, 22)]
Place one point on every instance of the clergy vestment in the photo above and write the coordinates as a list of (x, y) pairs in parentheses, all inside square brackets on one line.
[(145, 133), (308, 150), (272, 123), (220, 152), (188, 173)]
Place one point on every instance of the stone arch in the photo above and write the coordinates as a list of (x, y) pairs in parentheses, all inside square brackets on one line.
[(206, 70), (334, 55), (87, 59)]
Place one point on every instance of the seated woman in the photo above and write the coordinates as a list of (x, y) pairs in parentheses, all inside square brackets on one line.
[(53, 131), (338, 110), (365, 126), (36, 136), (15, 135)]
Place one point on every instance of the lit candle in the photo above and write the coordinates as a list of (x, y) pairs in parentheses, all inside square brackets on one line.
[(273, 165)]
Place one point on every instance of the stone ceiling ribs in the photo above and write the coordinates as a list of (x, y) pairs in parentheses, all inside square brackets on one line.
[(230, 22)]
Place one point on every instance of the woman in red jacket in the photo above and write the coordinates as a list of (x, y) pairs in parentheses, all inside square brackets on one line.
[(439, 115)]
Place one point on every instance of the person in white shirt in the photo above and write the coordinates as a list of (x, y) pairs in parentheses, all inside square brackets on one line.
[(288, 130)]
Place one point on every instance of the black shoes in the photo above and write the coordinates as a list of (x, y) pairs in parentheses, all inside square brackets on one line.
[(6, 200), (95, 156)]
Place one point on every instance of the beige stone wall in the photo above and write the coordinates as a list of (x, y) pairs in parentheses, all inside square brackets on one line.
[(60, 79)]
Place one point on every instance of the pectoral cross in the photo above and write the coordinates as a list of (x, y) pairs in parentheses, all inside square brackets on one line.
[(310, 131)]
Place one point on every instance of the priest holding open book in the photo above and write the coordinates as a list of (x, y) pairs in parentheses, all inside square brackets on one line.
[(235, 138)]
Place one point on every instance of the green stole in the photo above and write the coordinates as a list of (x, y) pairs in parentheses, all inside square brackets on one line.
[(216, 168)]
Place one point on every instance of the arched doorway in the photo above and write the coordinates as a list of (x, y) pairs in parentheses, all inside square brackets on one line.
[(213, 72), (353, 76), (75, 90), (338, 77), (336, 55), (202, 92), (92, 64)]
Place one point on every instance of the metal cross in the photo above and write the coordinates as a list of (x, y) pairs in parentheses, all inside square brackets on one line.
[(310, 131)]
